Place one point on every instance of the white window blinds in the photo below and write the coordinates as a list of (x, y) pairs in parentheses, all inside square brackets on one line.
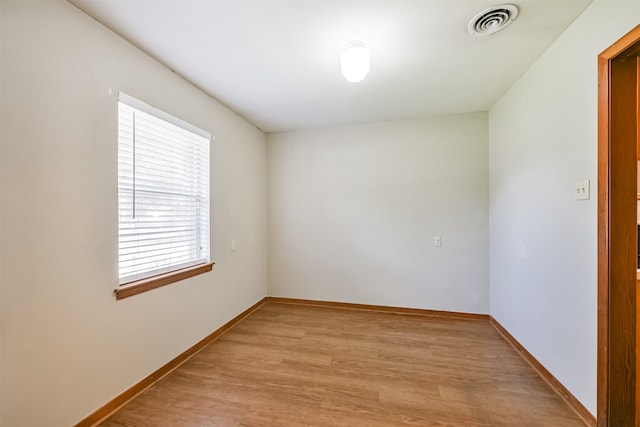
[(163, 192)]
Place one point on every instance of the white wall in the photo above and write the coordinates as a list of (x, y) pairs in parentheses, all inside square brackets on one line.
[(353, 211), (67, 345), (543, 139)]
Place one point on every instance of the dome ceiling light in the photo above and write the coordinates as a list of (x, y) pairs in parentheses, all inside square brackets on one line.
[(355, 61)]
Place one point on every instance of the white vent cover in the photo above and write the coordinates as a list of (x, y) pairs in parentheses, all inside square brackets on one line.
[(492, 20)]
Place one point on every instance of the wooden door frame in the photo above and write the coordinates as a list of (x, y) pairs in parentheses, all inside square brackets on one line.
[(617, 234)]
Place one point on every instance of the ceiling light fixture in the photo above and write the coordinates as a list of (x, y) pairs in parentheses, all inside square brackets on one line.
[(355, 61)]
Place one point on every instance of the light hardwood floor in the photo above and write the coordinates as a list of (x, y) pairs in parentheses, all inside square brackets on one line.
[(299, 365)]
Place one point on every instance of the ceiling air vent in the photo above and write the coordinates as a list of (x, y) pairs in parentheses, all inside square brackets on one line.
[(492, 20)]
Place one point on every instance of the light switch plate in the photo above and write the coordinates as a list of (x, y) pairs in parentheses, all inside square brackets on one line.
[(582, 190)]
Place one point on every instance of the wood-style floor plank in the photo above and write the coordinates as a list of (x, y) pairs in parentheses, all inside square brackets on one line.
[(301, 365)]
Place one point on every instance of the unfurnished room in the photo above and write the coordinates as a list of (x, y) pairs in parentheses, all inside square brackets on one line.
[(319, 213)]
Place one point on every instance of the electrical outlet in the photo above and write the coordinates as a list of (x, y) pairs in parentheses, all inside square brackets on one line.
[(437, 241)]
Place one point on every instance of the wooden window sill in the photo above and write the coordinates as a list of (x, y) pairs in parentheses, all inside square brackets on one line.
[(144, 285)]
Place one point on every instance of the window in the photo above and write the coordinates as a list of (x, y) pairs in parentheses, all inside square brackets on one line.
[(163, 197)]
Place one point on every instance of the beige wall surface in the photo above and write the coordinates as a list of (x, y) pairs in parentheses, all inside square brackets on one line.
[(353, 212), (543, 140), (67, 345)]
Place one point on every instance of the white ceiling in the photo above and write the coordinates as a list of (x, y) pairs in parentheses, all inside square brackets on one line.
[(276, 62)]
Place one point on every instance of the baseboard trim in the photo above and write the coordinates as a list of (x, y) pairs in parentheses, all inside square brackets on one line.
[(135, 390), (582, 412), (382, 308)]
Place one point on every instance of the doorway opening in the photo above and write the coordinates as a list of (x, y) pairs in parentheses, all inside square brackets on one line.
[(618, 136)]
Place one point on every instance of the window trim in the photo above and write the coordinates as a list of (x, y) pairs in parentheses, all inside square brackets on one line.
[(143, 285), (135, 286)]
